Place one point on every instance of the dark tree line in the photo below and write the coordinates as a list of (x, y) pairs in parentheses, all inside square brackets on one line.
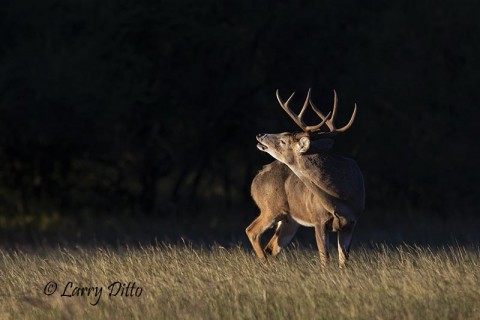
[(151, 107)]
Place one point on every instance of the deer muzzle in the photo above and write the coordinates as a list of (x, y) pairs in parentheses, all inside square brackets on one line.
[(260, 145)]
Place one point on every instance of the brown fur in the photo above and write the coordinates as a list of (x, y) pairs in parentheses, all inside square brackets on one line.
[(306, 185)]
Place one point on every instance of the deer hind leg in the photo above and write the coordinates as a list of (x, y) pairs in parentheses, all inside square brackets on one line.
[(344, 242), (255, 231), (321, 235), (285, 232)]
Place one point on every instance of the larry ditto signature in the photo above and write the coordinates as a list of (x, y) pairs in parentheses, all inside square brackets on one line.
[(115, 289)]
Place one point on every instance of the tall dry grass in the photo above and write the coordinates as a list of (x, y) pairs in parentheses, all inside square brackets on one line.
[(185, 282)]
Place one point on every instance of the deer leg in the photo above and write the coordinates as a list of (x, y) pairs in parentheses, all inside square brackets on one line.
[(255, 231), (323, 244), (344, 242), (286, 229)]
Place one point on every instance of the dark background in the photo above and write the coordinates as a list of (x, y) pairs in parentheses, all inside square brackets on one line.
[(126, 121)]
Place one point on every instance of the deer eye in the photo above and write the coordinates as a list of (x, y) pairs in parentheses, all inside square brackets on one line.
[(282, 142)]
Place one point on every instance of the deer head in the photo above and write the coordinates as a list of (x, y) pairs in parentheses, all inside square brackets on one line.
[(285, 146)]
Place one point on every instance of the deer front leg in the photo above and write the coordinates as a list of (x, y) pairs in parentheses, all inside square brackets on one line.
[(323, 244), (286, 229), (255, 231), (344, 242)]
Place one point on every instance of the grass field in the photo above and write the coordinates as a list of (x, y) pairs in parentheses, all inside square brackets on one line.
[(186, 282)]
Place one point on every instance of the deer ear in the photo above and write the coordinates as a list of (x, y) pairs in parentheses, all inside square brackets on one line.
[(303, 144)]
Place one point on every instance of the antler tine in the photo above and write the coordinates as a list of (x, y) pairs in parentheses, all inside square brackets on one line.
[(331, 122), (335, 102), (349, 124), (322, 116), (300, 115), (318, 126), (285, 107)]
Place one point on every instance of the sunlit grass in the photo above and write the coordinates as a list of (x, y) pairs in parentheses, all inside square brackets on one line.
[(185, 282)]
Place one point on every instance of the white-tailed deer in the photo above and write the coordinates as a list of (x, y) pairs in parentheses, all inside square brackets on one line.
[(307, 185)]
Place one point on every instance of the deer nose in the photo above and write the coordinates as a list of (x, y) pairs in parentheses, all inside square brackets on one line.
[(261, 135)]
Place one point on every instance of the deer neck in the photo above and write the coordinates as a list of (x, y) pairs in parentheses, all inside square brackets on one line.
[(308, 168), (303, 165)]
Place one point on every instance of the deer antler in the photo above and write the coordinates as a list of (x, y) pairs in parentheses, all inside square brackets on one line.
[(329, 121), (298, 118)]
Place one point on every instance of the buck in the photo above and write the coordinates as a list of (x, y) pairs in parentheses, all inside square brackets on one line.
[(307, 185)]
